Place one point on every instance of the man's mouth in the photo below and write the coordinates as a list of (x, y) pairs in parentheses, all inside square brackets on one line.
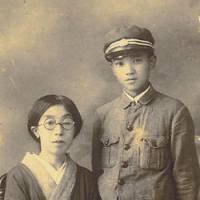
[(131, 79)]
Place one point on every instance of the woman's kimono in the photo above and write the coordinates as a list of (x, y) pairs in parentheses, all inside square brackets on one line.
[(30, 180)]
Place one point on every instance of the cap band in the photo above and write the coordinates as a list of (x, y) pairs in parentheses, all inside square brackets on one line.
[(126, 42)]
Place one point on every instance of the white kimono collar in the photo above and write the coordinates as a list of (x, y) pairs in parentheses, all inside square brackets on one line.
[(51, 190)]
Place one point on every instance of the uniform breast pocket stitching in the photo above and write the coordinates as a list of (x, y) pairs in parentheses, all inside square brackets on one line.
[(109, 140), (109, 151), (153, 153), (156, 143)]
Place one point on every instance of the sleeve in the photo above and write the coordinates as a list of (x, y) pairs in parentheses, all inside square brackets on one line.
[(96, 146), (185, 162), (15, 186)]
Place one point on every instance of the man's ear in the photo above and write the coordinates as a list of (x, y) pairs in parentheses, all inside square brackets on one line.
[(113, 69), (34, 130), (152, 61)]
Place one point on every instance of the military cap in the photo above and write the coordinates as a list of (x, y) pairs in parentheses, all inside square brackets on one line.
[(127, 39)]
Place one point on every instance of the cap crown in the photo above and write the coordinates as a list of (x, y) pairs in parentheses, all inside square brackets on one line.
[(126, 38)]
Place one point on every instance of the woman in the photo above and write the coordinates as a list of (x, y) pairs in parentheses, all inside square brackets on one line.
[(54, 121)]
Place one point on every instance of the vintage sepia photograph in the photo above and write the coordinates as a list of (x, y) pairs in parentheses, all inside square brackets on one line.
[(99, 100)]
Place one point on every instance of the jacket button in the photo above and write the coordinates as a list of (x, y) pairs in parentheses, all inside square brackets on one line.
[(127, 146), (121, 182), (129, 127), (107, 141), (124, 164)]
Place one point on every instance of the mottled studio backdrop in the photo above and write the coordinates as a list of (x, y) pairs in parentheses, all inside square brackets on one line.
[(54, 46)]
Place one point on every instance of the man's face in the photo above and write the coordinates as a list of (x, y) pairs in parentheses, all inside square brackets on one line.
[(133, 71)]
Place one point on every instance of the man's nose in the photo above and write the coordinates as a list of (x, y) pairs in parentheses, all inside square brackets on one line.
[(130, 67)]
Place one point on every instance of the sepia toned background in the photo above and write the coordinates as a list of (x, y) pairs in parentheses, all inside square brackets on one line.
[(55, 47)]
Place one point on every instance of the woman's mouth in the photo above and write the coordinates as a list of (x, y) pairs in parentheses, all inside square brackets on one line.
[(58, 141)]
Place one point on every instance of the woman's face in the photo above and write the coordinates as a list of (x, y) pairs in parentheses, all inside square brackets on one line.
[(55, 130)]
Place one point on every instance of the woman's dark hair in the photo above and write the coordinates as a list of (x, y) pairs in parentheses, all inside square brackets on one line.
[(42, 104)]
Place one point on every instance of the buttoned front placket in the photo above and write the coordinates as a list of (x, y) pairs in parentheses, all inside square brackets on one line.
[(127, 121), (127, 150)]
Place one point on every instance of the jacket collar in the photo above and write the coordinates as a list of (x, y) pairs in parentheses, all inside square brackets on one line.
[(125, 102)]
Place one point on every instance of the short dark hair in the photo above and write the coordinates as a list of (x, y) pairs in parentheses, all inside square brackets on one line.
[(42, 104)]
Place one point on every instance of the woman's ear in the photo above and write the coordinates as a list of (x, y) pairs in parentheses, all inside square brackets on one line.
[(34, 130)]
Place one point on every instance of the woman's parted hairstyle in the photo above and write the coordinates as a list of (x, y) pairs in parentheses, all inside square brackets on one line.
[(42, 104)]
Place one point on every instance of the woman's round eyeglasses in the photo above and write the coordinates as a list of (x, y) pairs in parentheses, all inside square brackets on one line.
[(66, 123)]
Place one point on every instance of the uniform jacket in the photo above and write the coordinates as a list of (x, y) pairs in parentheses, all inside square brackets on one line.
[(145, 151)]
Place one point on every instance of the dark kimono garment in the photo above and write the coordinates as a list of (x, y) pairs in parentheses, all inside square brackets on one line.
[(22, 185)]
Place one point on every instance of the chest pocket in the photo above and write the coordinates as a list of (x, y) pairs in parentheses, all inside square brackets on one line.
[(110, 145), (153, 153)]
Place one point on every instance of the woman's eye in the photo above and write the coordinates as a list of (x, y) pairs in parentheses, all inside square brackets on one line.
[(50, 122), (66, 123)]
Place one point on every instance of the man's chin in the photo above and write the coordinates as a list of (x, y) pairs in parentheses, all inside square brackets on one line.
[(131, 90)]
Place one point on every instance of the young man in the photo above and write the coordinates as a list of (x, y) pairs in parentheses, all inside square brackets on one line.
[(143, 144)]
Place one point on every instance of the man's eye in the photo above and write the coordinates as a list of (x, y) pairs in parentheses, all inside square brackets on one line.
[(119, 63), (137, 60)]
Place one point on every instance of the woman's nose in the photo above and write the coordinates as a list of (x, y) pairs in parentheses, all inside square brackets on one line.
[(58, 129)]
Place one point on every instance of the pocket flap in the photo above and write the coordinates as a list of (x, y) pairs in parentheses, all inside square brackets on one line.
[(109, 140), (157, 142)]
